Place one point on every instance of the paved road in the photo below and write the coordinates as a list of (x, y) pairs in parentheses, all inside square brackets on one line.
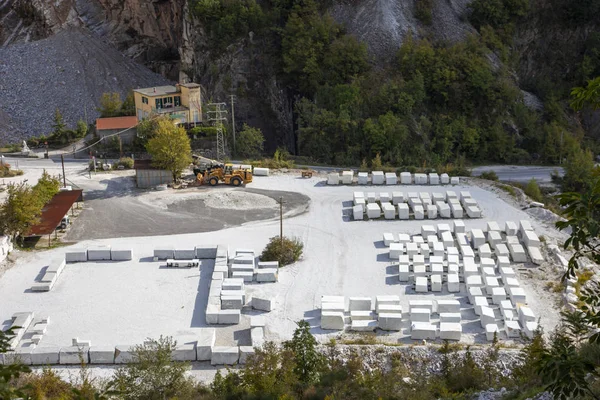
[(518, 173)]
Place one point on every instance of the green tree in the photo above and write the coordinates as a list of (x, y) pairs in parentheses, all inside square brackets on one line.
[(46, 187), (21, 209), (59, 129), (249, 142), (82, 128), (110, 105), (309, 362), (128, 105), (10, 372), (376, 164), (152, 375), (286, 251), (170, 147), (269, 373), (588, 95), (579, 171)]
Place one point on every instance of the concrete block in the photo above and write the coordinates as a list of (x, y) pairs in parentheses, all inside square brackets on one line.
[(436, 283), (49, 277), (98, 253), (421, 179), (388, 238), (56, 265), (371, 198), (501, 250), (45, 356), (455, 211), (396, 250), (247, 276), (432, 212), (257, 336), (421, 284), (498, 295), (256, 171), (412, 249), (373, 211), (121, 254), (510, 228), (526, 315), (404, 274), (363, 178), (420, 270), (231, 303), (517, 253), (406, 178), (425, 198), (487, 316), (184, 254), (390, 309), (338, 307), (74, 355), (447, 239), (224, 355), (164, 253), (453, 283), (76, 255), (397, 198), (358, 213), (434, 179), (531, 239), (437, 196), (363, 325), (347, 177), (491, 330), (494, 238), (212, 314), (333, 178), (232, 284), (389, 211), (448, 306), (479, 302), (450, 317), (450, 330), (419, 212), (386, 300), (184, 352), (377, 178), (267, 275), (412, 304), (205, 251), (454, 180), (206, 341), (102, 354), (403, 211), (427, 230), (420, 315), (391, 178), (491, 282), (530, 328), (332, 320), (423, 331), (384, 197), (390, 321), (474, 292), (512, 329), (229, 317), (535, 254), (524, 226), (438, 249), (245, 353), (444, 179), (418, 259), (485, 251), (473, 211), (360, 304), (477, 238), (425, 250)]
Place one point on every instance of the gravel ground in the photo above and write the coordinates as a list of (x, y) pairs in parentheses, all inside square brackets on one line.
[(69, 71)]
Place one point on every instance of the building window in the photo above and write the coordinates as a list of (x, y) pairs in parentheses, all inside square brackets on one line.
[(177, 101), (145, 100), (168, 102), (159, 103)]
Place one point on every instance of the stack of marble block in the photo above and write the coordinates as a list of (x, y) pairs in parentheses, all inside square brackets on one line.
[(98, 253), (422, 326), (386, 316), (332, 312), (390, 178), (423, 205), (226, 296), (50, 276), (470, 205)]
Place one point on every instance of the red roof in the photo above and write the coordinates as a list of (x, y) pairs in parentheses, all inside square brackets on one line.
[(103, 124), (54, 211)]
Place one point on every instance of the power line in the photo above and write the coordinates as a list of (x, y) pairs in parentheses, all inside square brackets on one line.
[(217, 116)]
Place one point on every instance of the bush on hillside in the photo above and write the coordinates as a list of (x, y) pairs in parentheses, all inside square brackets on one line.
[(489, 175), (533, 190), (286, 251)]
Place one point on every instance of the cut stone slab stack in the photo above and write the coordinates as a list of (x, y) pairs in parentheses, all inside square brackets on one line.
[(51, 276), (332, 312)]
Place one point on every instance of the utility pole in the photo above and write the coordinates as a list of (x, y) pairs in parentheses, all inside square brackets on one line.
[(233, 121), (62, 160), (281, 220), (217, 116)]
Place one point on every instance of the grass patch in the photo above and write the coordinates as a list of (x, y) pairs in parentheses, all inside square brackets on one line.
[(489, 175), (508, 189), (365, 339)]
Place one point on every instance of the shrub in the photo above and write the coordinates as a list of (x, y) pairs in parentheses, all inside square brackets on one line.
[(489, 175), (533, 190), (126, 162), (286, 251)]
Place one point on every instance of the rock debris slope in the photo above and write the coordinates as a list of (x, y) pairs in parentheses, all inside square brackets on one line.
[(68, 71)]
